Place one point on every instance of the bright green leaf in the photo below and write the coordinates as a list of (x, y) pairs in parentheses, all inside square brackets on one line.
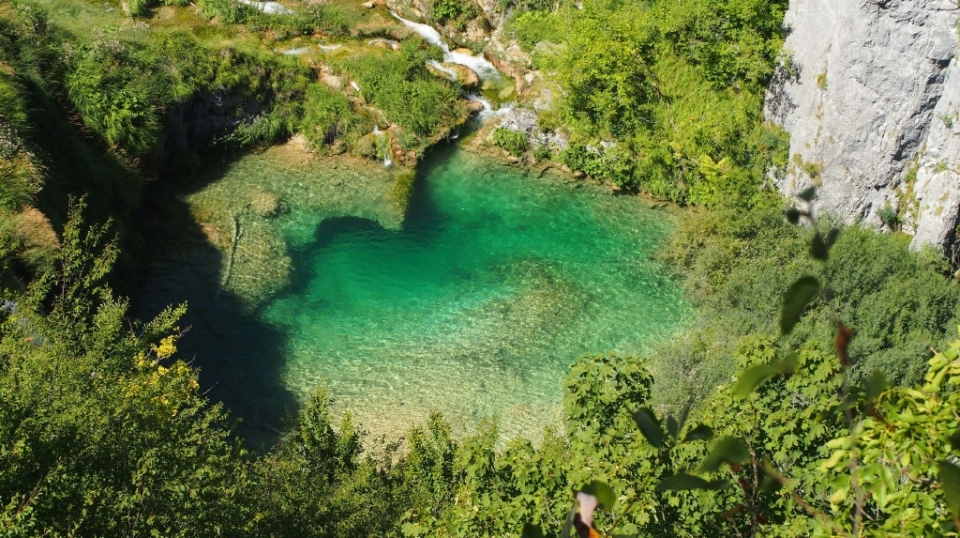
[(751, 378), (950, 482), (840, 495)]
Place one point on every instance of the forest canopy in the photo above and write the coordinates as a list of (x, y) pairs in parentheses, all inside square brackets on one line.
[(666, 97)]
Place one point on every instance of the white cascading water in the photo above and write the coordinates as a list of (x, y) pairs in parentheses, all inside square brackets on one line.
[(270, 8), (484, 69), (386, 146), (445, 70)]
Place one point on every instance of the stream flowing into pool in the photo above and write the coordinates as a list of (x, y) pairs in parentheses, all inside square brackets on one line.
[(496, 281)]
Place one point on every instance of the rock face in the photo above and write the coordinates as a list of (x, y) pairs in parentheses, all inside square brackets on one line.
[(869, 95), (525, 121)]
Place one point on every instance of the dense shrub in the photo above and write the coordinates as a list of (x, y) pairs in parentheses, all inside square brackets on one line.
[(667, 95), (399, 84), (115, 91), (515, 142), (737, 265), (328, 117)]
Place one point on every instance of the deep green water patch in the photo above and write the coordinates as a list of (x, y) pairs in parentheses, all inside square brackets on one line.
[(493, 285)]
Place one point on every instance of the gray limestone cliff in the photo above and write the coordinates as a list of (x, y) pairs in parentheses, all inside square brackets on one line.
[(869, 93)]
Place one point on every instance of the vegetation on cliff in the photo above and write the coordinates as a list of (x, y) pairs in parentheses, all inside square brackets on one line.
[(665, 97)]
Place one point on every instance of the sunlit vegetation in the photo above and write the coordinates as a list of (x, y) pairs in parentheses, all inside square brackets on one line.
[(398, 84), (514, 142), (665, 97), (766, 416)]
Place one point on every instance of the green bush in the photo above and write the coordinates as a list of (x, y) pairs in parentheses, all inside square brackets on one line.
[(328, 118), (96, 413), (738, 264), (660, 87), (308, 19), (399, 84), (457, 11), (515, 142), (116, 93)]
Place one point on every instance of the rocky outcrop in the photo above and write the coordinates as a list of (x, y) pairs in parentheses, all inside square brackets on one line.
[(525, 121), (866, 92), (934, 203)]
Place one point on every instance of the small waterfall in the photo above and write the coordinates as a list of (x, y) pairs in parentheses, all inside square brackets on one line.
[(384, 142), (484, 69), (445, 70), (328, 48), (488, 110), (487, 107)]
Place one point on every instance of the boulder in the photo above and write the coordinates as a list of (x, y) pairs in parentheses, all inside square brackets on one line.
[(467, 77)]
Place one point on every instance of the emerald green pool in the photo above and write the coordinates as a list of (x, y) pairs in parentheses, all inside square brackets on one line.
[(493, 285)]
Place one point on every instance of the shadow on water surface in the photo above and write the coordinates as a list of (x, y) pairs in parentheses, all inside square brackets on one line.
[(422, 223), (240, 358)]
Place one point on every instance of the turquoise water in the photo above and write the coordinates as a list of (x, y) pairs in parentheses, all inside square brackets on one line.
[(474, 305), (495, 283)]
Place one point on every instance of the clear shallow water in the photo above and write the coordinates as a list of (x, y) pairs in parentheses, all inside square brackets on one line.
[(475, 306), (493, 286)]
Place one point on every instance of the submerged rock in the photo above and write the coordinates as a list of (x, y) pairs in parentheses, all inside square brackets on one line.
[(268, 205)]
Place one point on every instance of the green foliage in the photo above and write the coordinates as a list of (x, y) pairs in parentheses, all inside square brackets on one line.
[(329, 118), (112, 87), (122, 87), (19, 167), (738, 266), (399, 84), (889, 217), (533, 26), (225, 10), (515, 142), (103, 433), (600, 391), (316, 484), (309, 18), (665, 96), (456, 11)]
